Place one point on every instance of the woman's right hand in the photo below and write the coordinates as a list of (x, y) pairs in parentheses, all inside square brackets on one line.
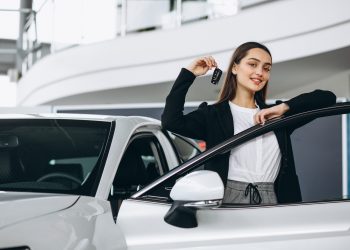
[(201, 65)]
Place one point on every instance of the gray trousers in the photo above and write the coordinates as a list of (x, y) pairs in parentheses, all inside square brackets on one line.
[(249, 193)]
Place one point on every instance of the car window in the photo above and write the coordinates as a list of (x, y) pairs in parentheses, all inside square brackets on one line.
[(184, 148), (143, 161), (51, 155), (320, 154)]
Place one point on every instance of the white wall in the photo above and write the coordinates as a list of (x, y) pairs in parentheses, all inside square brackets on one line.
[(339, 84)]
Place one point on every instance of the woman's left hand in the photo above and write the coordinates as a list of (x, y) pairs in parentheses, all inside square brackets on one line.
[(269, 113)]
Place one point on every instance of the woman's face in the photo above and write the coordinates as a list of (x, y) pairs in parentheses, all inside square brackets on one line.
[(253, 72)]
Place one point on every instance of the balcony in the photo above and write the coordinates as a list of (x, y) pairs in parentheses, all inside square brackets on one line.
[(307, 46)]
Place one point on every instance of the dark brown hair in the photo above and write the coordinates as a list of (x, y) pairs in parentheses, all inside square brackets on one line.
[(228, 90)]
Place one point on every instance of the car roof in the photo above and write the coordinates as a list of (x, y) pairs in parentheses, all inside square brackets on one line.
[(72, 116)]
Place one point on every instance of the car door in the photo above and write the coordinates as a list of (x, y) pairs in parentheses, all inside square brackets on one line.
[(321, 220)]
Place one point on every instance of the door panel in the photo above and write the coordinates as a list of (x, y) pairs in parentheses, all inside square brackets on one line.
[(317, 225)]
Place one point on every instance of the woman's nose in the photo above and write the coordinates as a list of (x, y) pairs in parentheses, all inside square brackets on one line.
[(258, 71)]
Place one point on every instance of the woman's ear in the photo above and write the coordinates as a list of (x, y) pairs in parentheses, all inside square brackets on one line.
[(234, 69)]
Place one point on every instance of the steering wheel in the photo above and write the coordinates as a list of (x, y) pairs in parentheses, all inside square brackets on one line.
[(59, 175)]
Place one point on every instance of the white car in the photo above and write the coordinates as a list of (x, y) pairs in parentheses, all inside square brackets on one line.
[(59, 185), (92, 182)]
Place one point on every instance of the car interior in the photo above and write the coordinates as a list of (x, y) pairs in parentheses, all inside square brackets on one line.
[(142, 163), (48, 156)]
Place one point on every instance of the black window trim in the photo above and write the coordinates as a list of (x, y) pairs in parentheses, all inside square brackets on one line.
[(166, 134), (185, 139), (102, 160), (246, 135)]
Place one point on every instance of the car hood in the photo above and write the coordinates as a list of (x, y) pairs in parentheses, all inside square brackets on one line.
[(18, 206)]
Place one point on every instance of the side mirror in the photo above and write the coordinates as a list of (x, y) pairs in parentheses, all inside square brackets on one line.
[(197, 190)]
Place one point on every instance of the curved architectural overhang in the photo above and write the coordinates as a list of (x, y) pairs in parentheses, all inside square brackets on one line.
[(291, 29)]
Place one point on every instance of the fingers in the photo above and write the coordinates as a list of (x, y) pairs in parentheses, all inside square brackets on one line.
[(265, 114), (209, 61), (259, 117), (200, 66), (213, 62), (256, 118)]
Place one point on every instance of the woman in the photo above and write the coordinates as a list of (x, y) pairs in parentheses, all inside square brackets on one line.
[(261, 171)]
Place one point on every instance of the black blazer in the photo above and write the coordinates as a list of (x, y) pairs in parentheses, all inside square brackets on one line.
[(214, 124)]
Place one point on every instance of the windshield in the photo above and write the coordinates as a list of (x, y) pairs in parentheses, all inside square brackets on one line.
[(55, 156)]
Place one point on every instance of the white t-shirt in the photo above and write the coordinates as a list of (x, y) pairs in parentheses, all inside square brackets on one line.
[(256, 160)]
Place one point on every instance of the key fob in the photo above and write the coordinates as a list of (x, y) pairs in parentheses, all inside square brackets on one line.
[(216, 76)]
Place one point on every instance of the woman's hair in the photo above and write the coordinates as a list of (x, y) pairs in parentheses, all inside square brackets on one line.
[(228, 90)]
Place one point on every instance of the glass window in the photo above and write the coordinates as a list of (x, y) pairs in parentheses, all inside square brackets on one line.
[(317, 149), (184, 148), (51, 155), (142, 163), (317, 144)]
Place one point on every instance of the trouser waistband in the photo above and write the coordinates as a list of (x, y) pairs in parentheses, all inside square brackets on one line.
[(251, 189), (240, 185)]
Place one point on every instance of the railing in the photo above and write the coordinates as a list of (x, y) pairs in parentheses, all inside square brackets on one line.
[(53, 25)]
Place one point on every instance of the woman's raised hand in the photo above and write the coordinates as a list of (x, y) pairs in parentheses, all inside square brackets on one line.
[(201, 65)]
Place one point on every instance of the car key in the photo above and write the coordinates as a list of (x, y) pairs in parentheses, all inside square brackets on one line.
[(216, 76)]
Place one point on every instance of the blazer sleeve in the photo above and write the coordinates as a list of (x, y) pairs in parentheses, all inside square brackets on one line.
[(309, 101), (190, 125)]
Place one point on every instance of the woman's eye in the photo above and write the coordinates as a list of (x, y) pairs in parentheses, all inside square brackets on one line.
[(252, 64), (267, 69)]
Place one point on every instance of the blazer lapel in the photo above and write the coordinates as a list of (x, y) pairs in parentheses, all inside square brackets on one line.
[(225, 118)]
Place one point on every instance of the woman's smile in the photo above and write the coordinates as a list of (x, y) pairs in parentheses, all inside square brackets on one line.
[(257, 81)]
